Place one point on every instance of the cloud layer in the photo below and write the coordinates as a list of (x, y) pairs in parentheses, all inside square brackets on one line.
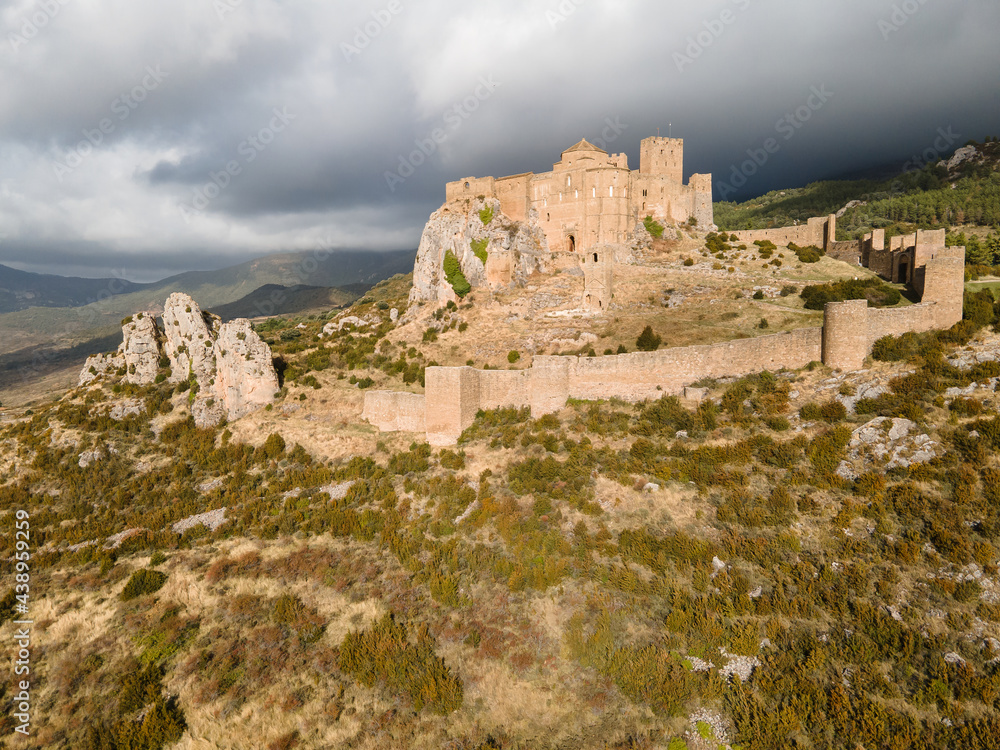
[(147, 138)]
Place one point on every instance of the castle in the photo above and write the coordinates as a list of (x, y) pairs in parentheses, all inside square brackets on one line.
[(586, 206), (591, 198)]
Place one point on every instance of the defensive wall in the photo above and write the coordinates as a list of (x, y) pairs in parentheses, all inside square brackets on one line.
[(819, 231), (455, 394)]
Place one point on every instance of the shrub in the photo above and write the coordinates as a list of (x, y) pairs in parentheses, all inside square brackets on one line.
[(384, 654), (479, 249), (758, 294), (654, 227), (454, 276), (513, 356), (142, 582), (688, 262), (648, 341), (273, 447), (486, 215), (763, 323), (877, 292)]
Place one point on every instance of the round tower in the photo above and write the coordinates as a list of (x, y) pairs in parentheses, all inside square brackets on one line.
[(845, 334)]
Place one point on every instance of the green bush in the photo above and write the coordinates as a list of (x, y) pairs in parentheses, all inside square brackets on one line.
[(454, 276), (142, 582), (486, 215), (479, 249), (513, 356), (654, 227), (648, 341), (383, 654), (877, 292)]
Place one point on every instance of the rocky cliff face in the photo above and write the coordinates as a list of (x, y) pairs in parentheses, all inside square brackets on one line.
[(188, 340), (513, 250), (245, 379), (141, 348), (231, 365)]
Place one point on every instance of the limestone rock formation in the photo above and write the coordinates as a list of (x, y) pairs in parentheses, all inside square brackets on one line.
[(232, 366), (245, 379), (188, 342), (141, 347), (99, 366), (513, 250)]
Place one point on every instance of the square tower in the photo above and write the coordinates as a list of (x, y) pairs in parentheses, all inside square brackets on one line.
[(598, 278), (662, 157)]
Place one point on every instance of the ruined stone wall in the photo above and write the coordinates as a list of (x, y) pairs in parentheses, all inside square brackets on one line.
[(393, 411), (452, 399), (848, 252), (814, 232), (512, 193), (500, 389), (469, 189)]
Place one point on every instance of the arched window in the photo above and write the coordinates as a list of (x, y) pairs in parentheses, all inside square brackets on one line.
[(572, 244), (595, 257)]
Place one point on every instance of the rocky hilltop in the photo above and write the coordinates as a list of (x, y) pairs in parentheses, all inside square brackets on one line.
[(492, 250), (229, 367)]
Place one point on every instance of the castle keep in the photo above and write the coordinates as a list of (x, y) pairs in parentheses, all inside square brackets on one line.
[(591, 198)]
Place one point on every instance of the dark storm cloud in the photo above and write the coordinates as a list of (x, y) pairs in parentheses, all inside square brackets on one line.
[(142, 135)]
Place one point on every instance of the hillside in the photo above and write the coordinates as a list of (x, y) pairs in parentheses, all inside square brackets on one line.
[(965, 193), (40, 346), (805, 558), (20, 290)]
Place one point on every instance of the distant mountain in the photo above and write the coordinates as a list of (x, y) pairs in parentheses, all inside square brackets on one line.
[(20, 290), (359, 270), (274, 299)]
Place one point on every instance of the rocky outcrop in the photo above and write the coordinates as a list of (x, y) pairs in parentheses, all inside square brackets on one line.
[(245, 379), (884, 444), (141, 347), (188, 339), (101, 366), (231, 365), (513, 250)]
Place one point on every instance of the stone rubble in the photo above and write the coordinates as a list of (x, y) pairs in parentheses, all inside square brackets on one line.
[(213, 519), (884, 444)]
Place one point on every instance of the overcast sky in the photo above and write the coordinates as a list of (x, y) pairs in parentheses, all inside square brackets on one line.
[(143, 138)]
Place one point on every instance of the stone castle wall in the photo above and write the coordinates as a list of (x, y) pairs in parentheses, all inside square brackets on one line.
[(850, 329), (819, 231), (394, 411)]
